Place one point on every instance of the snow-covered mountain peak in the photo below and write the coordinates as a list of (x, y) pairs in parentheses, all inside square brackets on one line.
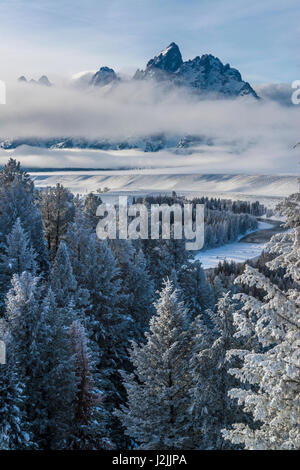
[(165, 63), (169, 60), (22, 79), (205, 74), (172, 46), (104, 76), (43, 80)]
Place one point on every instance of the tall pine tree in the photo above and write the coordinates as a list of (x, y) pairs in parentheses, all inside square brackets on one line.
[(17, 256), (157, 412), (18, 200), (89, 423), (58, 210)]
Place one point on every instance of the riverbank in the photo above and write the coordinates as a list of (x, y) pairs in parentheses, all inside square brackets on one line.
[(248, 247), (264, 235)]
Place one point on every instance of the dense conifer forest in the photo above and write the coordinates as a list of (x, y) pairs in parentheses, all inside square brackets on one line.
[(124, 344)]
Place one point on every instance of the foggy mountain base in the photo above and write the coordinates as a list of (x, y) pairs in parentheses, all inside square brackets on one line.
[(112, 128)]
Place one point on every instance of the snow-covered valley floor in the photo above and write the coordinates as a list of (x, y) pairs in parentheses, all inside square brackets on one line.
[(268, 189)]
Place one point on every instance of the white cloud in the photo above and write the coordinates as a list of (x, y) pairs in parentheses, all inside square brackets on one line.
[(279, 92), (249, 136)]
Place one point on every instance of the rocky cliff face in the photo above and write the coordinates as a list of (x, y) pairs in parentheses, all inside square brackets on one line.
[(104, 76), (205, 74)]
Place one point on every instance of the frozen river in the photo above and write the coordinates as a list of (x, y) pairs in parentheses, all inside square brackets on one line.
[(238, 251)]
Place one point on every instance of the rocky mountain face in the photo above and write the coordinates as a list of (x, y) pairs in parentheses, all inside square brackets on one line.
[(152, 143), (205, 74), (104, 76), (162, 66), (43, 80), (184, 144)]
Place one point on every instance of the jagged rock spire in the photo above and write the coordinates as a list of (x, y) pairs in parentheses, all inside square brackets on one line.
[(169, 60)]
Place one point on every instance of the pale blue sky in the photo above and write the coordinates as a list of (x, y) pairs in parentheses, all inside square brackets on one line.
[(259, 37)]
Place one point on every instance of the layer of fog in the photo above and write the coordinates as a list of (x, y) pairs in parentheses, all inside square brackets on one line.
[(248, 135), (278, 92)]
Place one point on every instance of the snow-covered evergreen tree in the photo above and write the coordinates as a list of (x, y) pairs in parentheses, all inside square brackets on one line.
[(42, 354), (163, 257), (212, 408), (78, 239), (58, 211), (17, 199), (4, 440), (26, 331), (18, 256), (218, 287), (89, 423), (273, 371), (142, 293), (137, 288), (96, 270), (90, 205), (107, 325), (11, 172), (62, 279), (59, 383), (197, 292), (14, 428), (157, 412)]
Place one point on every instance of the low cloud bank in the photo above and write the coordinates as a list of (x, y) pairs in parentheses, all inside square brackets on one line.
[(248, 136), (279, 92)]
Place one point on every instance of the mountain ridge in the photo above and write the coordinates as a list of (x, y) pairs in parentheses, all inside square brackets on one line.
[(205, 74)]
